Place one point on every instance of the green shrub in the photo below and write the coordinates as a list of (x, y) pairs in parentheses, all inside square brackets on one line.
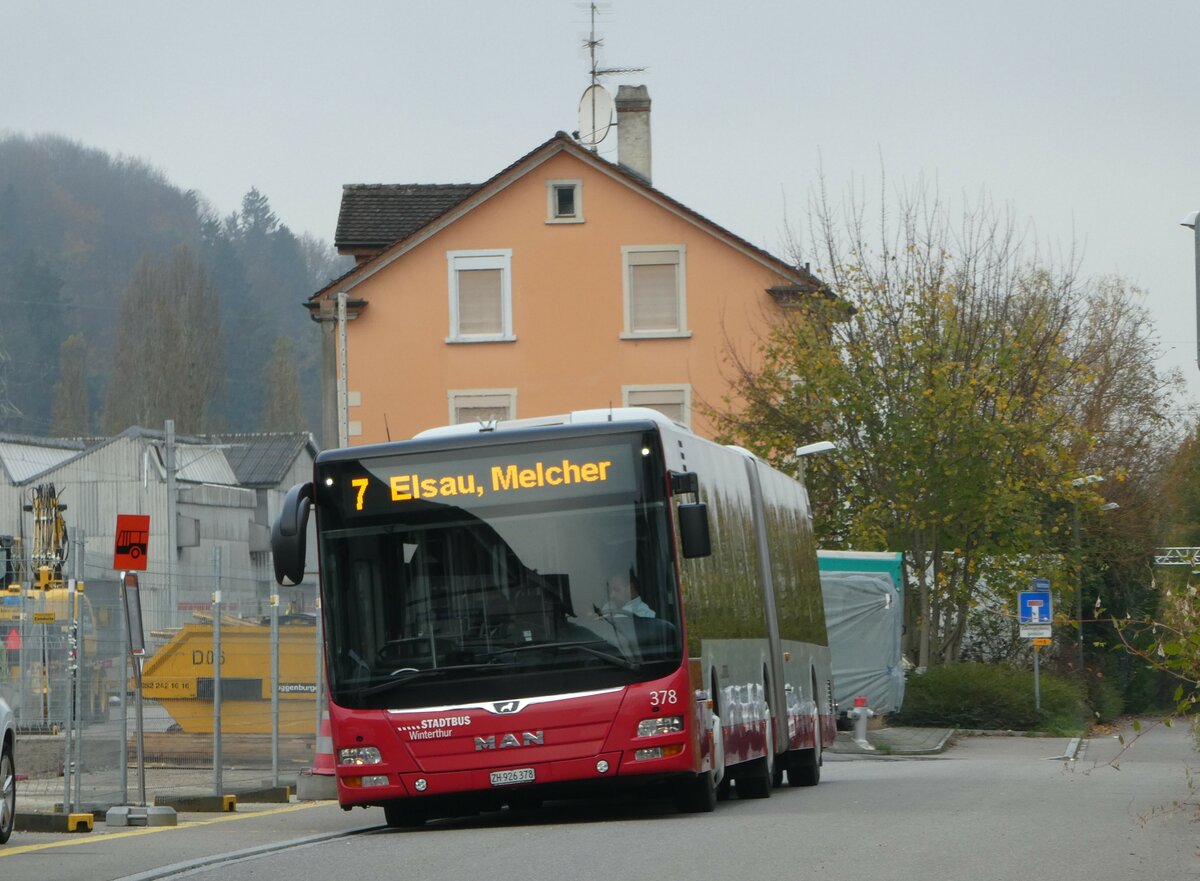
[(991, 696), (1104, 698)]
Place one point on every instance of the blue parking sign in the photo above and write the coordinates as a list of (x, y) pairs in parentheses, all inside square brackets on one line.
[(1035, 606)]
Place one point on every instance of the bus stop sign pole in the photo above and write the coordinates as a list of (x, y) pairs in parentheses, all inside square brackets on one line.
[(137, 652)]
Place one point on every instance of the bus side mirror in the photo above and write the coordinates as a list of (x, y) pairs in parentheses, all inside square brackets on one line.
[(693, 530), (289, 535)]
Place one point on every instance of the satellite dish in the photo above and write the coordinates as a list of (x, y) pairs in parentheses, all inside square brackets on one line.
[(595, 115)]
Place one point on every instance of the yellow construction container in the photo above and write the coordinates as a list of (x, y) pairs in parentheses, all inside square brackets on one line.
[(180, 677)]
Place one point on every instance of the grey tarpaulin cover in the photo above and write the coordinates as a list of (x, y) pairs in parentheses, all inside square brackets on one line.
[(865, 618)]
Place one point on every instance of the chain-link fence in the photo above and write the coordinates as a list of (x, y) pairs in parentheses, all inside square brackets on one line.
[(247, 722)]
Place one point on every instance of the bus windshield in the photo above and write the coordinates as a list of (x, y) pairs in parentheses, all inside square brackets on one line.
[(455, 577)]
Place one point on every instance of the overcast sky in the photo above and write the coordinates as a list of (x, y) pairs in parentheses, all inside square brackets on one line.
[(1078, 115)]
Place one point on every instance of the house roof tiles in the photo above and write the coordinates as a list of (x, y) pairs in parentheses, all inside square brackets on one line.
[(393, 213), (375, 215)]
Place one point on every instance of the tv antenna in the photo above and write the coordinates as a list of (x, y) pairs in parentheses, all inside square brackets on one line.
[(596, 104)]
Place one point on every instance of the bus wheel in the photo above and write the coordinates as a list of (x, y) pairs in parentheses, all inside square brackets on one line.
[(404, 815), (755, 782), (697, 795), (806, 769)]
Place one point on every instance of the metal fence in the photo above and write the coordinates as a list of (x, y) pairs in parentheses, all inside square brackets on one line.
[(230, 685)]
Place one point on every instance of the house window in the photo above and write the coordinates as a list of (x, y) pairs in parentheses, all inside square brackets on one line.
[(482, 405), (655, 291), (480, 295), (673, 401), (564, 201)]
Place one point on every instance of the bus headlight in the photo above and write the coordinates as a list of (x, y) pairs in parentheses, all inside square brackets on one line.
[(660, 725), (359, 755)]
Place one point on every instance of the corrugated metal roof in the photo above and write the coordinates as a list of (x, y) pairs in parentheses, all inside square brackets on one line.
[(25, 460), (262, 459), (199, 463), (250, 460)]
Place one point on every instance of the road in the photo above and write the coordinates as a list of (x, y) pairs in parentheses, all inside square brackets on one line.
[(988, 808)]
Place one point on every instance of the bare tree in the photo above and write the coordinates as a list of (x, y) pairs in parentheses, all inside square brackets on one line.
[(71, 408), (282, 411), (169, 356)]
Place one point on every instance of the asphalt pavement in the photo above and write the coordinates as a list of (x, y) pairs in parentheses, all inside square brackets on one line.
[(46, 795)]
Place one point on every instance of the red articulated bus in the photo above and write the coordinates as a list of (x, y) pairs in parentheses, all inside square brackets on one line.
[(545, 608)]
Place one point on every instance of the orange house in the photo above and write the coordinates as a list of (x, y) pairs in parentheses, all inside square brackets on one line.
[(564, 282)]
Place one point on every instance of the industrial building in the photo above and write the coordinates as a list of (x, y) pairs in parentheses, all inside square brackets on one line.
[(211, 500)]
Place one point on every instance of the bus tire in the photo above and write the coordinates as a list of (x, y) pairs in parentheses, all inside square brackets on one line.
[(697, 795), (404, 815), (756, 780), (806, 768)]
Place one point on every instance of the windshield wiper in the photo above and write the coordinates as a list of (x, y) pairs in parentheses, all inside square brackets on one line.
[(616, 660)]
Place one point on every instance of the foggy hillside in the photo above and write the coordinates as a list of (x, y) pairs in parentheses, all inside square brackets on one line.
[(77, 226)]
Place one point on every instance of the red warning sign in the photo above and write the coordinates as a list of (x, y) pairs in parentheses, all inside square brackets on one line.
[(133, 541)]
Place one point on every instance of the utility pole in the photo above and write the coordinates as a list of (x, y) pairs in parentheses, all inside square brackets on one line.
[(172, 524), (1078, 578), (1190, 223), (343, 394)]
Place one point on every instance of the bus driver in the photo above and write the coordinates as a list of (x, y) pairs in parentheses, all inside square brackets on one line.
[(624, 598)]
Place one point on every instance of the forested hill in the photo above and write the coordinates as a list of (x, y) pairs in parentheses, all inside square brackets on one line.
[(125, 299)]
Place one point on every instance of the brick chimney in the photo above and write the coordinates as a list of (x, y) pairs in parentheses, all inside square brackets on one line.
[(633, 130)]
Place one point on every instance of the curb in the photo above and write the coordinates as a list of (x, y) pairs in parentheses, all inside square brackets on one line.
[(883, 749), (135, 815), (40, 821), (316, 787), (200, 804), (265, 795), (939, 747)]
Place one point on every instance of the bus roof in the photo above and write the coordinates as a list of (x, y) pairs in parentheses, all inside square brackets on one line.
[(575, 417)]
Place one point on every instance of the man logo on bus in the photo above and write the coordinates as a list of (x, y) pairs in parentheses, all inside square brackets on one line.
[(506, 707), (508, 741)]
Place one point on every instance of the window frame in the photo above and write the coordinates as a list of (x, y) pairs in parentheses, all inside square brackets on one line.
[(684, 390), (680, 263), (455, 396), (496, 258), (552, 187)]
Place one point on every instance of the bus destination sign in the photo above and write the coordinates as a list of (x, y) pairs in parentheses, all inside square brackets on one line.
[(476, 482)]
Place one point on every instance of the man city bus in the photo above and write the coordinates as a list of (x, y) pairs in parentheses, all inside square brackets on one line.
[(536, 609)]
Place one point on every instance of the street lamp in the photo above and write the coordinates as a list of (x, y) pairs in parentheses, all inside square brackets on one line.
[(818, 447), (1190, 223)]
